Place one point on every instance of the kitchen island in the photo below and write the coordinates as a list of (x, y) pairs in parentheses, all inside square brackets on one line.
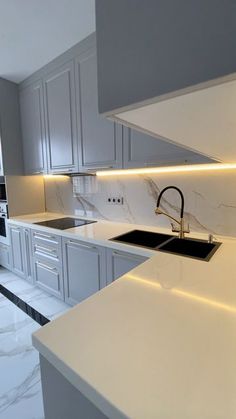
[(159, 342)]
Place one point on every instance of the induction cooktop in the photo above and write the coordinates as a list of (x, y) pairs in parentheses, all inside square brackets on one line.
[(65, 223)]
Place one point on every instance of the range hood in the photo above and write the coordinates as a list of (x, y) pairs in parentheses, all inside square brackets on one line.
[(168, 68)]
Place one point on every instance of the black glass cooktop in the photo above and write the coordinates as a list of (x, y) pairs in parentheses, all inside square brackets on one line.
[(65, 223)]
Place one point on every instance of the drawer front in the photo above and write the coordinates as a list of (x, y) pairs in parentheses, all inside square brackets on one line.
[(47, 246), (49, 277)]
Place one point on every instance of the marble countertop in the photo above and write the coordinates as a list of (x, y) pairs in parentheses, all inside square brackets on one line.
[(160, 342)]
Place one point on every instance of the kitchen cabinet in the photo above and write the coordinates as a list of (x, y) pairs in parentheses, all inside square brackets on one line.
[(140, 150), (27, 254), (100, 140), (84, 270), (20, 251), (11, 155), (47, 262), (119, 263), (17, 250), (5, 255), (33, 128), (61, 135)]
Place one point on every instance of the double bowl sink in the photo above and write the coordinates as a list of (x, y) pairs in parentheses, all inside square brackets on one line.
[(193, 248)]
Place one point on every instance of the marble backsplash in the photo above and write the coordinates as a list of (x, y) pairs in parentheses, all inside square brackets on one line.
[(210, 199)]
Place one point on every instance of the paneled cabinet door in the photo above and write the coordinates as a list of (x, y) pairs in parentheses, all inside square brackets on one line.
[(84, 270), (17, 251), (119, 263), (141, 150), (33, 128), (100, 140), (59, 89), (27, 253)]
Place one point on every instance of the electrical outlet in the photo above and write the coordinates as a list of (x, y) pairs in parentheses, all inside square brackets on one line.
[(115, 200)]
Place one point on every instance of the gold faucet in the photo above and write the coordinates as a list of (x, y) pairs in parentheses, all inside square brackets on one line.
[(181, 229)]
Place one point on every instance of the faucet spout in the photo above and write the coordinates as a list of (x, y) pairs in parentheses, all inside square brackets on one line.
[(181, 230)]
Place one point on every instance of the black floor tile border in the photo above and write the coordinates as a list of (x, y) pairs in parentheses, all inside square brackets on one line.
[(34, 314)]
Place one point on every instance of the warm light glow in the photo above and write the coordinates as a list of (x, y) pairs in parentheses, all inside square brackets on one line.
[(55, 177), (185, 294), (169, 169)]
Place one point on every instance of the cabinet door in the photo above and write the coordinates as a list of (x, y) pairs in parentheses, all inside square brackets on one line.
[(100, 140), (140, 150), (61, 134), (5, 256), (33, 129), (27, 253), (17, 253), (84, 270), (119, 263)]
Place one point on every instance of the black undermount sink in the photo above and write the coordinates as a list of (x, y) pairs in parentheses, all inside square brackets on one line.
[(197, 249), (193, 248), (143, 238)]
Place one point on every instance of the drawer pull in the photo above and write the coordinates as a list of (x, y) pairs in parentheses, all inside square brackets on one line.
[(45, 249), (128, 256), (86, 246), (49, 268), (39, 235)]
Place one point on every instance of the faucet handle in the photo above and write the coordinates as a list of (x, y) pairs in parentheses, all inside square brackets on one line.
[(177, 229)]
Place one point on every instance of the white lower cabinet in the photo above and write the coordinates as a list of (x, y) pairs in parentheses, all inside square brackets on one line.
[(17, 250), (5, 255), (84, 270), (20, 252), (27, 254), (70, 269), (119, 263)]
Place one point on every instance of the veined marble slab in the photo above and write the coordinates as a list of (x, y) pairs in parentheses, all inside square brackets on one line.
[(20, 384), (46, 304), (210, 206)]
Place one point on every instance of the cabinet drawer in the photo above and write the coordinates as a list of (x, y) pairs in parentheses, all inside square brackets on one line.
[(46, 245), (46, 252), (49, 277)]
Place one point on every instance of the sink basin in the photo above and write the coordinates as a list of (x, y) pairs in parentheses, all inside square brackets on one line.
[(143, 238), (198, 249)]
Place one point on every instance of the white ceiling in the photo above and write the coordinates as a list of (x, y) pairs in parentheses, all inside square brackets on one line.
[(33, 32)]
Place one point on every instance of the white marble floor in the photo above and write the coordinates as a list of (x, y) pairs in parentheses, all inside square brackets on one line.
[(20, 385), (48, 305)]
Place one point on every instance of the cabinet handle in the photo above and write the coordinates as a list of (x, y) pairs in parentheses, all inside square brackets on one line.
[(98, 168), (47, 236), (49, 268), (37, 172), (127, 256), (45, 249), (87, 246)]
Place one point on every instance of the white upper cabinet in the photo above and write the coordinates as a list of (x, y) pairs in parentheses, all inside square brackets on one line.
[(60, 111), (100, 140), (33, 128)]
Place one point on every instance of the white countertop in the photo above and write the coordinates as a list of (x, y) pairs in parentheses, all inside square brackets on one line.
[(96, 233), (159, 343)]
